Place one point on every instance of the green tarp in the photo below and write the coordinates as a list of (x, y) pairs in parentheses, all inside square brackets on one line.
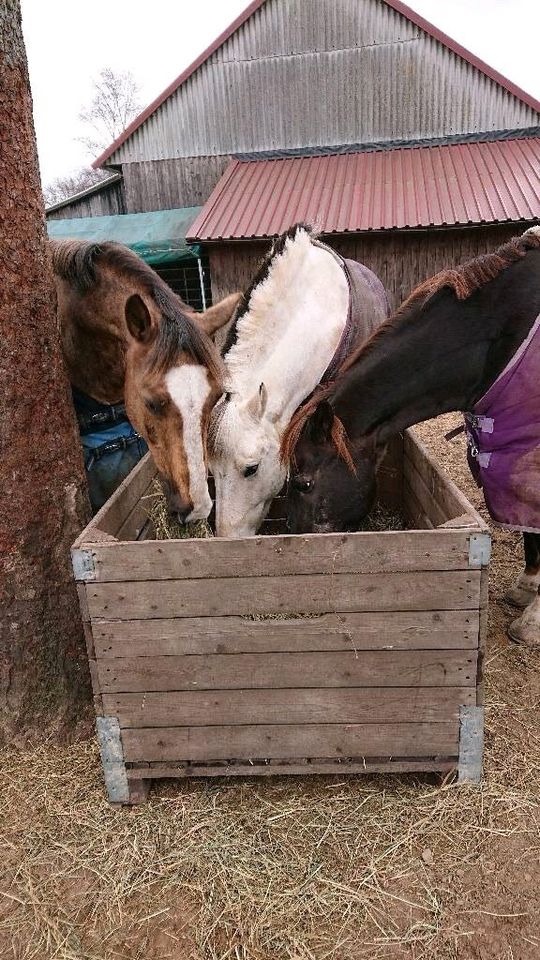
[(157, 237)]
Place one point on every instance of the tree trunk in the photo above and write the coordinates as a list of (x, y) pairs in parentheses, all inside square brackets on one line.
[(43, 498)]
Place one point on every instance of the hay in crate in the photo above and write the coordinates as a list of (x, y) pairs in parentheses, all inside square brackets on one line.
[(166, 526)]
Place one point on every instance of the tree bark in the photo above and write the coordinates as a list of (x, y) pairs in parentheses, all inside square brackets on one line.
[(43, 497)]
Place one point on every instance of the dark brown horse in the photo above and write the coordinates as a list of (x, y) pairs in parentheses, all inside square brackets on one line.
[(127, 337), (441, 352)]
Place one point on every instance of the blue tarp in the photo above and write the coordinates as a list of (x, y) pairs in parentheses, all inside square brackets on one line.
[(157, 237)]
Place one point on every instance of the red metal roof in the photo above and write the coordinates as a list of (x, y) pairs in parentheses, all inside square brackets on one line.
[(463, 183), (396, 5)]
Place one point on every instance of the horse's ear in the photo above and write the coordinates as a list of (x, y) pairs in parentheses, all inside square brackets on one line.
[(217, 316), (321, 423), (257, 405), (138, 319)]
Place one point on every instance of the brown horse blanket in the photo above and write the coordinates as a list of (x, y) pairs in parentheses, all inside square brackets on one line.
[(368, 308)]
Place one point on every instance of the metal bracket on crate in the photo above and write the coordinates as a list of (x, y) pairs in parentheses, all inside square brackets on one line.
[(471, 742), (112, 758), (479, 550), (82, 562)]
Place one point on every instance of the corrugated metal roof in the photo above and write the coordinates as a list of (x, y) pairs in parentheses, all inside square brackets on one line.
[(238, 65), (466, 183)]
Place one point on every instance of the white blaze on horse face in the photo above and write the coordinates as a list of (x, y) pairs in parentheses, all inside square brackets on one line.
[(242, 502), (189, 389)]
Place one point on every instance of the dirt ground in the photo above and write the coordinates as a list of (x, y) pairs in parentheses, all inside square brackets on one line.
[(350, 869)]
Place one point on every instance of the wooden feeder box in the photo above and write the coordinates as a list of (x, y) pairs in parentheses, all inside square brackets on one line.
[(374, 662)]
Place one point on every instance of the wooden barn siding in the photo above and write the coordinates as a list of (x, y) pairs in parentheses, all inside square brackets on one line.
[(109, 201), (323, 72), (167, 184), (401, 259)]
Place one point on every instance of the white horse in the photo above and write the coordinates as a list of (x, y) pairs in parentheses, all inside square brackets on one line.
[(304, 312)]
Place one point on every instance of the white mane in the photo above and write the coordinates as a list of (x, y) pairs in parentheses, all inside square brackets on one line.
[(301, 302)]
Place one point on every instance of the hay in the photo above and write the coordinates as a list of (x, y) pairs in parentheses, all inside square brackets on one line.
[(275, 869), (381, 518), (166, 527), (281, 616)]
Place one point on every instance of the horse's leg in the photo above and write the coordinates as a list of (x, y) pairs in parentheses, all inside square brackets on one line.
[(526, 629), (528, 582)]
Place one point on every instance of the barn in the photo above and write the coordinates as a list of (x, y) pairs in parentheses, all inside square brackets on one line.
[(404, 149)]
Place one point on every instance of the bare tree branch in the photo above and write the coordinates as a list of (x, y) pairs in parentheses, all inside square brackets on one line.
[(114, 105)]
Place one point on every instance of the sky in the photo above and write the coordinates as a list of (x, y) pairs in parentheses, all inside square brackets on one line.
[(68, 43)]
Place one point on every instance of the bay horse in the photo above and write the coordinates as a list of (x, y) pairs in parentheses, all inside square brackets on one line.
[(462, 341), (127, 337), (303, 312)]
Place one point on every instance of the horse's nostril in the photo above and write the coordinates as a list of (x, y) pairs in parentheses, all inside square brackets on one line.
[(183, 513)]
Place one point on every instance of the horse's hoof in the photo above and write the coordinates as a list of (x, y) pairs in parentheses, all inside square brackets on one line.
[(524, 590), (526, 629)]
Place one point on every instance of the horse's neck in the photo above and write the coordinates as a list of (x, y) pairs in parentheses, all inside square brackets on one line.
[(94, 340), (435, 359), (290, 333)]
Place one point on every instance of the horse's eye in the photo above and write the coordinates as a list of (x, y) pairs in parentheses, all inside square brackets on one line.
[(156, 407), (302, 484), (251, 470)]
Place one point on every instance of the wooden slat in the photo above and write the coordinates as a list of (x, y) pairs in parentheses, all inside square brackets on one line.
[(413, 510), (83, 602), (482, 635), (454, 590), (389, 630), (348, 705), (112, 515), (414, 480), (443, 489), (315, 740), (303, 769), (417, 668), (136, 520), (283, 556)]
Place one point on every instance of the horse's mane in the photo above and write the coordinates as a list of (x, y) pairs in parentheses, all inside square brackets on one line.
[(302, 415), (473, 274), (277, 248), (78, 262), (463, 280)]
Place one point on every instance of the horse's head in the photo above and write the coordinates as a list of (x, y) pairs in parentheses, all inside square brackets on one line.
[(245, 460), (332, 485), (173, 379)]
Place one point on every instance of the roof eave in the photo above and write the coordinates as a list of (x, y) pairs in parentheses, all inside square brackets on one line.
[(418, 228), (95, 188)]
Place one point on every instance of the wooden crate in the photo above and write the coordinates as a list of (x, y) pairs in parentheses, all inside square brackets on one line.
[(377, 665)]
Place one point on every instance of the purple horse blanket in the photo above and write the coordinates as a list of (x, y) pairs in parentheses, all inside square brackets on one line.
[(503, 433)]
